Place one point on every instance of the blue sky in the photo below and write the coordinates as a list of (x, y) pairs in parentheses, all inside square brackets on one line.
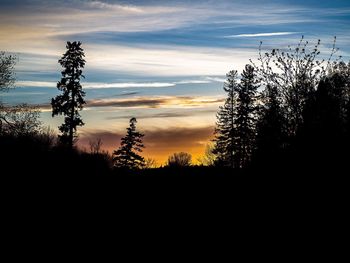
[(163, 62)]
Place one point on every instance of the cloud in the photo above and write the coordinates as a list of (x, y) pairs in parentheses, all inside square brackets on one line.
[(216, 79), (128, 85), (37, 84), (151, 116), (128, 103), (99, 85), (116, 7), (162, 115), (168, 60), (129, 93), (157, 102), (192, 82), (263, 34)]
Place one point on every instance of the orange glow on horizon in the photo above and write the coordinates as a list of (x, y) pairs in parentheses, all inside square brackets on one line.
[(160, 144)]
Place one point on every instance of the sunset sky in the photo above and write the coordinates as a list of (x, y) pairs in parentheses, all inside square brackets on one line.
[(163, 62)]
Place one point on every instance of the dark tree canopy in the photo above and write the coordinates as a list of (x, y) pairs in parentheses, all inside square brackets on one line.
[(72, 98), (303, 116), (127, 156), (295, 72), (270, 128), (7, 74), (322, 137)]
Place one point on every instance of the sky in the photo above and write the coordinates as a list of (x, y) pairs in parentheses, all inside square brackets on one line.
[(163, 62)]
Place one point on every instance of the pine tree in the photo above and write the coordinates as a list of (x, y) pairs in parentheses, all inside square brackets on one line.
[(270, 128), (225, 125), (127, 155), (72, 98), (245, 120)]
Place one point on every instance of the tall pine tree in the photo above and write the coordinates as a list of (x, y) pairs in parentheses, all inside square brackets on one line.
[(225, 125), (127, 155), (72, 98), (245, 121)]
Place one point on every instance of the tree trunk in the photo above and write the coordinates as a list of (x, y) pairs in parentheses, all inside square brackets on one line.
[(72, 113)]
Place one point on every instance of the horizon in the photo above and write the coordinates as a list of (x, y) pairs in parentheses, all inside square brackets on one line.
[(163, 62)]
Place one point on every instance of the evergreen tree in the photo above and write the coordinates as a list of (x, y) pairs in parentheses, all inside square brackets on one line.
[(72, 98), (127, 155), (225, 125), (245, 121), (270, 128)]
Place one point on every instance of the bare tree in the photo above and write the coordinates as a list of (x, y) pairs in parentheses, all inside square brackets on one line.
[(295, 72), (22, 119), (180, 159), (7, 75), (208, 159), (151, 163), (95, 146)]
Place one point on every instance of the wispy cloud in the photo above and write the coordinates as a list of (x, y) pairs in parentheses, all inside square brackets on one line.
[(153, 116), (263, 34), (97, 85), (117, 85), (157, 102), (215, 79), (164, 114), (37, 84), (128, 85), (168, 60), (192, 82), (116, 7), (128, 103)]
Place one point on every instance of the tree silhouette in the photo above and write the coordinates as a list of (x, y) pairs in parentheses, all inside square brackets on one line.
[(225, 124), (151, 163), (7, 74), (72, 98), (127, 155), (295, 72), (270, 128), (208, 159), (321, 136), (180, 159), (343, 70), (245, 120)]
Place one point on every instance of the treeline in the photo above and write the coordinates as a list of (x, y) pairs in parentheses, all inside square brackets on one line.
[(291, 109), (288, 110)]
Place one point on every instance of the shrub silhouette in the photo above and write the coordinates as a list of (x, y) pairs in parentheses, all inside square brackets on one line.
[(180, 159)]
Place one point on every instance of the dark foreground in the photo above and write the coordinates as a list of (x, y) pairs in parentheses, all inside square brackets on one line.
[(29, 165)]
